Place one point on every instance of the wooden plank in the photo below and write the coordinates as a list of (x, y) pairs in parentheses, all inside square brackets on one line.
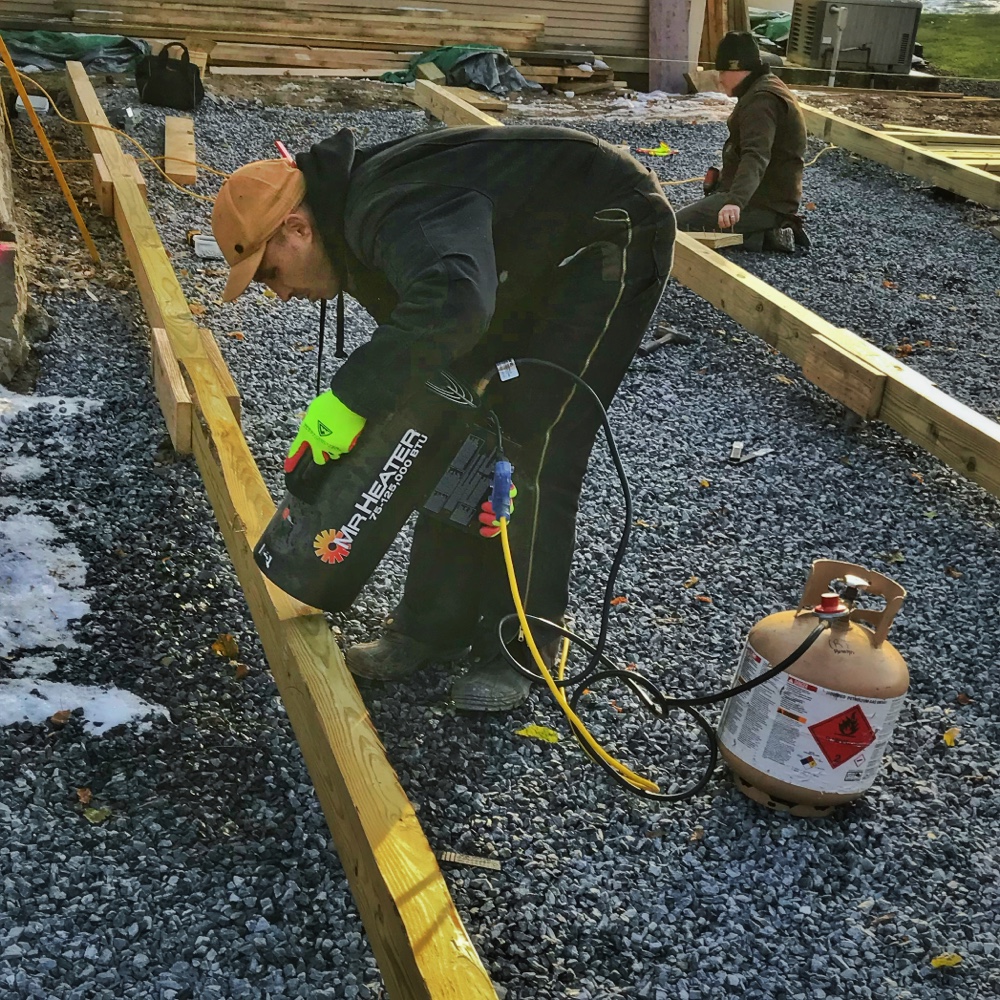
[(171, 391), (223, 378), (140, 181), (704, 81), (305, 57), (878, 91), (299, 72), (976, 185), (431, 71), (451, 110), (179, 152), (718, 240), (423, 951), (479, 99), (103, 187)]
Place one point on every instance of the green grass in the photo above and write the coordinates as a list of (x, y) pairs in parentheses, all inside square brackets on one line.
[(962, 44)]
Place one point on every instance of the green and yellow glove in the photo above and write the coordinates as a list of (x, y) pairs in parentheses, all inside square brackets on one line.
[(488, 519), (329, 429)]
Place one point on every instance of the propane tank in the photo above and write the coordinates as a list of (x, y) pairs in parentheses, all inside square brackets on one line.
[(813, 736)]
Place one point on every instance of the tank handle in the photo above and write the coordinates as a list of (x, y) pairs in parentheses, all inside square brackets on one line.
[(825, 570)]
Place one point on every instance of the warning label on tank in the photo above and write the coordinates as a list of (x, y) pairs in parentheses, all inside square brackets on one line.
[(800, 733)]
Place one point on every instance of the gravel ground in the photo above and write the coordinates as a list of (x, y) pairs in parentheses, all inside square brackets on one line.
[(212, 876)]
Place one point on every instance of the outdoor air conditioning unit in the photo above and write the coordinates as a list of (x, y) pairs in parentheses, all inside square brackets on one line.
[(878, 34)]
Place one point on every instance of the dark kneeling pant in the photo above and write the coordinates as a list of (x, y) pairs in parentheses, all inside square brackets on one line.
[(703, 216)]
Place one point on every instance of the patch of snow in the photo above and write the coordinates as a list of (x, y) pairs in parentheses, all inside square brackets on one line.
[(23, 469), (26, 699), (33, 666)]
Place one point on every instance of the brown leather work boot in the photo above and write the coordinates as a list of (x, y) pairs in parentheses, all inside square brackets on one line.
[(395, 656)]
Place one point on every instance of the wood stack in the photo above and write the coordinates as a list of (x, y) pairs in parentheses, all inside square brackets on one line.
[(967, 148), (568, 72), (307, 36)]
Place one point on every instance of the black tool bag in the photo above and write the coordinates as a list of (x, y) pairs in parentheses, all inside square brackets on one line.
[(168, 82)]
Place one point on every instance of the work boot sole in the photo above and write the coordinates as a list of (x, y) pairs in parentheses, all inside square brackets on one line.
[(491, 689)]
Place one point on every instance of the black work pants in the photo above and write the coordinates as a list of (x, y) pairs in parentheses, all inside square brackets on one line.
[(588, 315), (703, 216)]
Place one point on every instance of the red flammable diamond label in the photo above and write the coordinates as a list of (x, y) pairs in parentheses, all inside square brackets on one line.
[(843, 736)]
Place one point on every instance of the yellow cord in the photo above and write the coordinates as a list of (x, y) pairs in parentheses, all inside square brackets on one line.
[(558, 693)]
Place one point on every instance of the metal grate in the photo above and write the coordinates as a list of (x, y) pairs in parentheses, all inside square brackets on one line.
[(904, 48)]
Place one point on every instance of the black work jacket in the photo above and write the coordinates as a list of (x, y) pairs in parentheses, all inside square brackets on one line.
[(435, 233)]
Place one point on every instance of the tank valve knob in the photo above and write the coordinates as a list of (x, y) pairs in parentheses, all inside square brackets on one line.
[(831, 606)]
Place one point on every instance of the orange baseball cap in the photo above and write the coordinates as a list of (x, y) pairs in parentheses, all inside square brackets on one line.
[(249, 209)]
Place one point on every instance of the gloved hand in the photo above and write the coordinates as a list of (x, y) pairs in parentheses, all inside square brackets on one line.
[(329, 429), (487, 518)]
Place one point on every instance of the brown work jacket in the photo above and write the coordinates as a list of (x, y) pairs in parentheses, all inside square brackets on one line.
[(763, 157)]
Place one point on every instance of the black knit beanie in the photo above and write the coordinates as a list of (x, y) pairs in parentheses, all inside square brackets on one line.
[(738, 50)]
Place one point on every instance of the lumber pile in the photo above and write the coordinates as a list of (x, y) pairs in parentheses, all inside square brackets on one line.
[(569, 73), (967, 148), (306, 35)]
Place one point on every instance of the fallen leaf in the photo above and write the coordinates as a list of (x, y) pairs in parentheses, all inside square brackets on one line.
[(784, 380), (640, 523), (945, 961), (539, 733), (631, 666), (96, 816), (810, 206), (903, 350), (268, 294), (955, 574), (894, 557), (236, 334), (917, 476), (616, 706), (704, 598), (197, 309), (926, 297), (84, 795), (926, 342), (889, 284), (697, 833), (690, 581), (930, 514), (619, 600), (302, 348), (950, 735), (241, 671), (963, 699), (704, 483), (226, 646), (60, 718)]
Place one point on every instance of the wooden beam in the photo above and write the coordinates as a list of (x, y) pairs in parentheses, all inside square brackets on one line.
[(178, 148), (431, 71), (223, 379), (140, 181), (104, 189), (718, 240), (450, 109), (171, 391), (969, 182), (298, 71), (423, 951)]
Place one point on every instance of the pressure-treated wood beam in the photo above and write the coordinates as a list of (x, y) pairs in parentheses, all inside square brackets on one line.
[(969, 182), (450, 109), (669, 52), (842, 364), (178, 150), (423, 951)]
